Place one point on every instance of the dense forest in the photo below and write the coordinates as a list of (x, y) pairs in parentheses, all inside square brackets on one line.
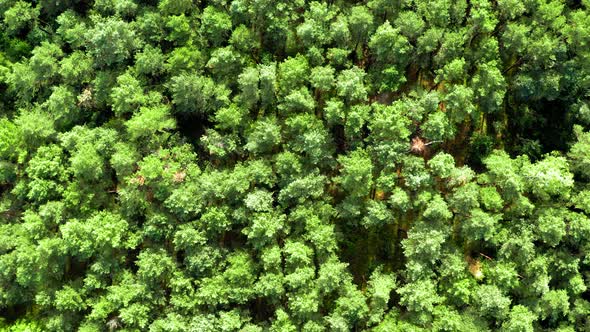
[(291, 165)]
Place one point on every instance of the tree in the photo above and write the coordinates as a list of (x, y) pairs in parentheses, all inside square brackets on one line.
[(489, 89), (225, 64), (82, 236), (149, 122), (268, 85), (293, 73), (424, 243), (521, 319), (62, 105), (459, 103), (356, 177), (307, 134), (233, 285), (22, 83), (360, 23), (11, 139), (580, 160), (128, 95), (71, 28), (264, 136), (350, 85), (377, 215), (150, 25), (381, 286), (314, 30), (215, 25), (554, 303), (419, 297), (44, 62), (504, 172), (390, 132), (549, 177), (123, 159), (390, 46), (551, 227), (77, 68), (264, 229), (331, 275), (351, 308), (481, 226), (150, 61), (168, 7), (47, 174), (442, 164), (322, 78), (179, 29), (36, 127), (243, 39), (111, 41), (184, 59), (437, 127), (249, 86), (20, 16), (299, 100), (411, 24), (196, 94), (492, 302)]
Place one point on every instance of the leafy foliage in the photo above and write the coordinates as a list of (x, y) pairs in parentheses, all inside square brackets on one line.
[(243, 165)]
